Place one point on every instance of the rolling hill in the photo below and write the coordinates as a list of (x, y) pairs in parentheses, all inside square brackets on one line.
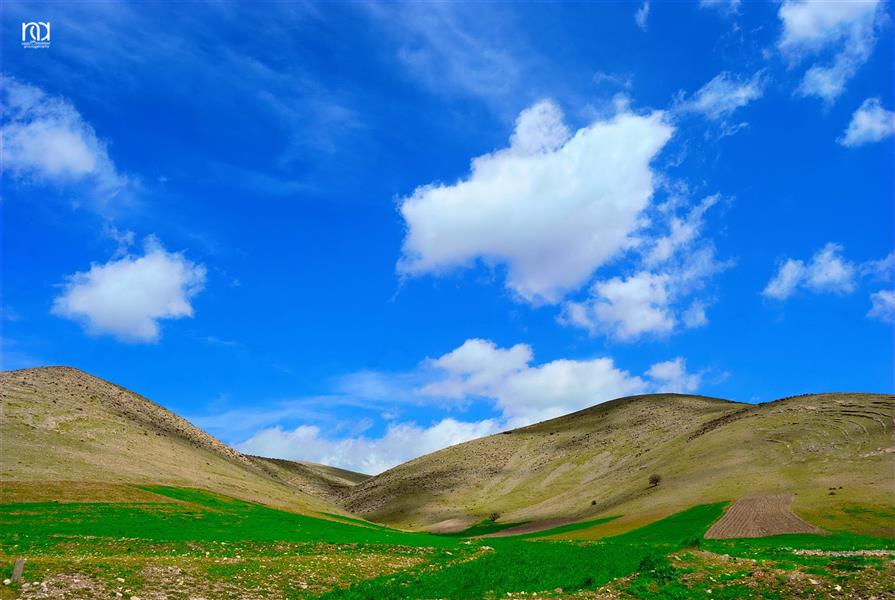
[(597, 463), (67, 434)]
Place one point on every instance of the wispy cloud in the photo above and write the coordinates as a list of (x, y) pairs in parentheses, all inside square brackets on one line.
[(642, 14), (456, 49), (816, 27), (723, 95)]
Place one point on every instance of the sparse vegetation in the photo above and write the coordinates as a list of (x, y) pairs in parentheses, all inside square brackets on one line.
[(256, 535), (221, 547)]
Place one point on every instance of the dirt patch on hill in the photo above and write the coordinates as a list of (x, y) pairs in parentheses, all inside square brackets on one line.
[(760, 516), (455, 525)]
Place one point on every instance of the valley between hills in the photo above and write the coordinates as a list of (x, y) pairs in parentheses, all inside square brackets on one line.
[(106, 494)]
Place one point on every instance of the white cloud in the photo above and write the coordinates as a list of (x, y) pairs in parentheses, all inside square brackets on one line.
[(883, 306), (870, 123), (45, 139), (551, 208), (526, 394), (642, 14), (127, 297), (672, 376), (656, 300), (401, 442), (830, 272), (694, 315), (827, 272), (789, 277), (881, 270), (846, 28), (626, 308), (683, 231), (724, 94)]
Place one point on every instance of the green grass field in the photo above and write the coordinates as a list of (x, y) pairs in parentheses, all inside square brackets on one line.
[(214, 546)]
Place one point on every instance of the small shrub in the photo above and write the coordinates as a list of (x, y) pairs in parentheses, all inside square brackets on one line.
[(593, 502), (657, 567), (655, 479), (493, 516)]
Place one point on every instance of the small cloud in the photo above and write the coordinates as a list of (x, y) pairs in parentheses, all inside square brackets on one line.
[(879, 270), (672, 376), (641, 15), (124, 239), (724, 94), (882, 306), (789, 277), (827, 272), (128, 296), (870, 123), (657, 299), (46, 140)]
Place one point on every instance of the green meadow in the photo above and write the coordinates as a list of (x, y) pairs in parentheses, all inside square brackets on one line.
[(203, 544)]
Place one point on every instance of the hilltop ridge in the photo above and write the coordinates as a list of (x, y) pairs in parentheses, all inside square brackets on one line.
[(60, 424)]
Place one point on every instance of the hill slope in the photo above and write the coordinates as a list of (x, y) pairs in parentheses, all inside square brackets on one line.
[(60, 424), (322, 481), (597, 462)]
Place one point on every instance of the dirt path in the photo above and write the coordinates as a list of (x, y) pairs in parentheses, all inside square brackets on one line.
[(760, 516)]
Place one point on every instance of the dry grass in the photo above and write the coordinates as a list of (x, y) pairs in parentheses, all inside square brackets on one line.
[(58, 424), (597, 462), (74, 491)]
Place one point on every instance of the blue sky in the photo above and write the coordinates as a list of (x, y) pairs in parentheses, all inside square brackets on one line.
[(356, 232)]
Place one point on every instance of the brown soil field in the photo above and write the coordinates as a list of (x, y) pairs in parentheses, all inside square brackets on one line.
[(760, 516)]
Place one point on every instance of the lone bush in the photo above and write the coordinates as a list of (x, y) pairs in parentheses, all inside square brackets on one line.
[(655, 479), (493, 516)]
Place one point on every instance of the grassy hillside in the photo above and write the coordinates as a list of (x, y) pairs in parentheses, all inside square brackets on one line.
[(322, 481), (597, 463), (71, 436), (178, 543)]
